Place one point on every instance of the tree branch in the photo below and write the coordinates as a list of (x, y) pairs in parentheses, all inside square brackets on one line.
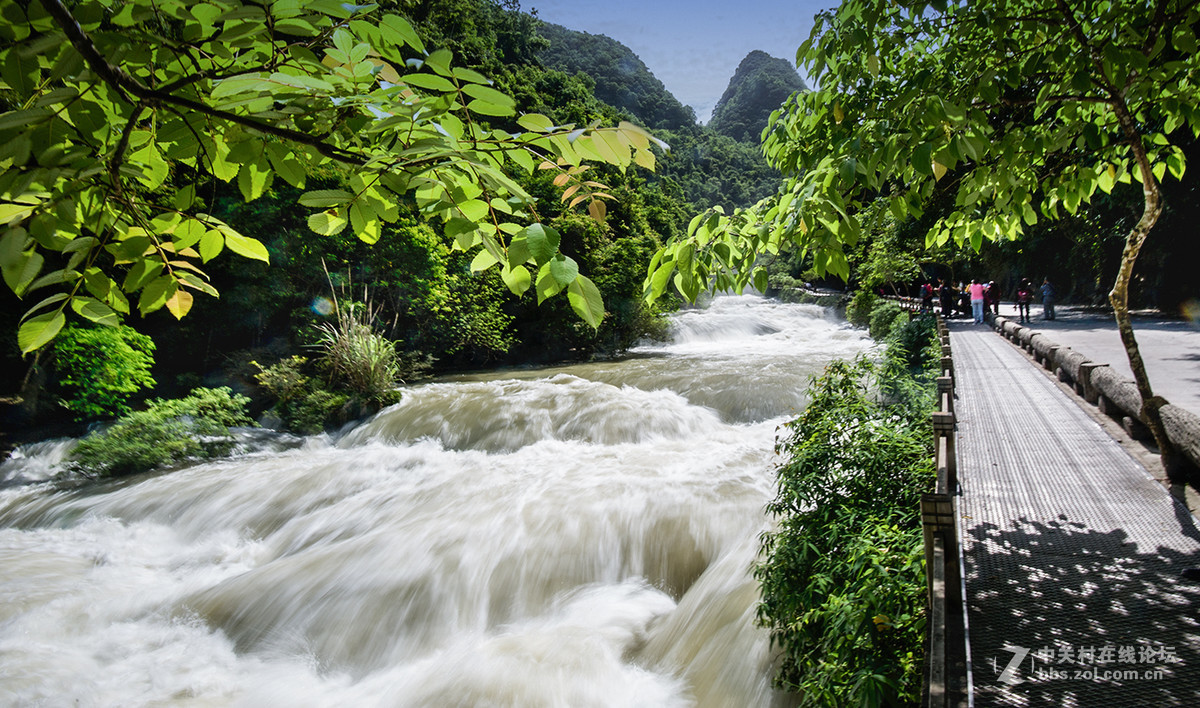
[(126, 85)]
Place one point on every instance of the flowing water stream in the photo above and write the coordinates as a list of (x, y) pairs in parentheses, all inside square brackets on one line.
[(577, 536)]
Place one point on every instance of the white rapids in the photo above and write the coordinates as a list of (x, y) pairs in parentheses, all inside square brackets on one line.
[(579, 536)]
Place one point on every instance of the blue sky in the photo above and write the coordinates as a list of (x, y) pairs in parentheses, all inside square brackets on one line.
[(692, 47)]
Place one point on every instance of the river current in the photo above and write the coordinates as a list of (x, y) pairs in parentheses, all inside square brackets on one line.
[(577, 536)]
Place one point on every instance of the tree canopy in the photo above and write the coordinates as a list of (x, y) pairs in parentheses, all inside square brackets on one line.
[(1018, 110), (118, 114)]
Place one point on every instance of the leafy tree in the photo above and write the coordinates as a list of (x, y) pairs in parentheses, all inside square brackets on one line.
[(100, 368), (120, 114), (1020, 110)]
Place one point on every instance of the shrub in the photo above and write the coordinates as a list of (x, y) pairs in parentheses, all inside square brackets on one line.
[(302, 405), (841, 577), (168, 431), (860, 307), (100, 368), (882, 318)]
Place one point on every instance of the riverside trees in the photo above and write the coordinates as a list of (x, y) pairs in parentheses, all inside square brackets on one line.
[(1016, 110), (119, 114)]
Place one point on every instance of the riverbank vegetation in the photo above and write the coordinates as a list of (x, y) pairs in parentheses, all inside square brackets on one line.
[(166, 432), (842, 574)]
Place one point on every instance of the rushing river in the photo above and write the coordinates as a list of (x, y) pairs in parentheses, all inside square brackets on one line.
[(577, 536)]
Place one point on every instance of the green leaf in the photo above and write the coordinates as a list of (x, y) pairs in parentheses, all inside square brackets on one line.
[(439, 61), (155, 295), (517, 279), (156, 169), (922, 159), (253, 179), (535, 122), (490, 109), (430, 82), (247, 247), (19, 266), (564, 269), (542, 242), (325, 198), (547, 285), (489, 95), (399, 31), (760, 280), (36, 332), (327, 223), (483, 260), (93, 310), (585, 299), (11, 213), (211, 246), (286, 164), (365, 222)]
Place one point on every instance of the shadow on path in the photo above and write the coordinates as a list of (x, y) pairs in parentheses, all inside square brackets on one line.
[(1105, 622)]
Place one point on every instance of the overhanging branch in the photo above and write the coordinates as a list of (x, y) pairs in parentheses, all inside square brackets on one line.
[(127, 86)]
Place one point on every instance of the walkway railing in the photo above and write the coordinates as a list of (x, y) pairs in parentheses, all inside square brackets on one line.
[(946, 657), (1115, 395)]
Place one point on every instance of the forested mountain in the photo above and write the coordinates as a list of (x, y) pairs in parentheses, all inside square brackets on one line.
[(759, 86), (704, 167), (621, 79)]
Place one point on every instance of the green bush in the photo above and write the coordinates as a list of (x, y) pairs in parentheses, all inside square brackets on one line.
[(841, 577), (100, 368), (915, 341), (167, 432), (860, 307), (302, 405), (882, 317)]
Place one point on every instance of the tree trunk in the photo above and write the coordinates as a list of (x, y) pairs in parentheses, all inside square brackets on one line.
[(1119, 296)]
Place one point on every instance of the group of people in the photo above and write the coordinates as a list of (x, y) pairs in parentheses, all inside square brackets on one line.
[(977, 299)]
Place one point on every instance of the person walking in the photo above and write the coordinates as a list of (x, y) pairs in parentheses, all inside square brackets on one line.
[(993, 297), (1047, 299), (976, 290), (1024, 297), (946, 299)]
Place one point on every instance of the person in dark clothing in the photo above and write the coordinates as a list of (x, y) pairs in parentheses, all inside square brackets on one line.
[(946, 298), (1024, 297)]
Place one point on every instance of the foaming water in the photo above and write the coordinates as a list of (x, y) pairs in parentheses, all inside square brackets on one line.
[(574, 537)]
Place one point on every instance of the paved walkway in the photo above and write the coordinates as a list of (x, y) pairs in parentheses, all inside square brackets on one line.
[(1170, 347), (1073, 554)]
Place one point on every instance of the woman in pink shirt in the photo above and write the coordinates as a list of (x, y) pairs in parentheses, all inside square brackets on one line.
[(976, 291)]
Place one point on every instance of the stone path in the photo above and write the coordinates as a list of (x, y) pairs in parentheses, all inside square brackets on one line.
[(1073, 554)]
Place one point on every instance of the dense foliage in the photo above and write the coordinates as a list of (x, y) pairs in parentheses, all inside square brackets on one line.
[(842, 575), (166, 432), (103, 165), (100, 368)]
